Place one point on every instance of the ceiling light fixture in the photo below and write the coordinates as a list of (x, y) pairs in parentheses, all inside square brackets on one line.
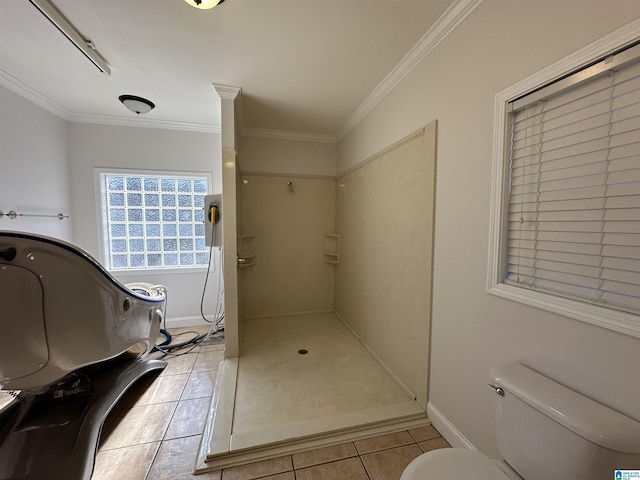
[(137, 105), (204, 4), (81, 43)]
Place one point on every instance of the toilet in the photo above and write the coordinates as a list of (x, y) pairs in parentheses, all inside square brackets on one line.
[(545, 431)]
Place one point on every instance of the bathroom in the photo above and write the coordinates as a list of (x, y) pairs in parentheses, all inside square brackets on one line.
[(471, 331)]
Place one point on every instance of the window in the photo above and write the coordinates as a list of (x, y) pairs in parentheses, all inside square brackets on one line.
[(566, 222), (153, 221)]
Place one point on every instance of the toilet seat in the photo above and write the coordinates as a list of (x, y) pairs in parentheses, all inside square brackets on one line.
[(454, 463)]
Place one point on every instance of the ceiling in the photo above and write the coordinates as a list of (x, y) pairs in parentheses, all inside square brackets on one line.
[(304, 66)]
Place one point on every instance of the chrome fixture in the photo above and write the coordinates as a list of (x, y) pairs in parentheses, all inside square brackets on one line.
[(12, 214), (497, 389)]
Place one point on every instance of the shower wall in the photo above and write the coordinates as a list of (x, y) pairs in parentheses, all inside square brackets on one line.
[(382, 210), (383, 281), (283, 226)]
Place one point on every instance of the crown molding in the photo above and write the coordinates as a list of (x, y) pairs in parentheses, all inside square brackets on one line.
[(287, 135), (449, 20), (227, 92), (143, 123), (16, 86)]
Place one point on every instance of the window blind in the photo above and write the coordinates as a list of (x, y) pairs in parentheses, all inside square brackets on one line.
[(574, 195)]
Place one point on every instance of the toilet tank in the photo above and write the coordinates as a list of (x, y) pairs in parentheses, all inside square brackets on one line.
[(547, 431)]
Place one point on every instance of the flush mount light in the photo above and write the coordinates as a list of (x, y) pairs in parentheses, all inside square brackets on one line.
[(137, 105), (204, 4)]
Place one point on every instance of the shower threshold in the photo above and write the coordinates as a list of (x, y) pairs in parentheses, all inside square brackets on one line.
[(301, 382)]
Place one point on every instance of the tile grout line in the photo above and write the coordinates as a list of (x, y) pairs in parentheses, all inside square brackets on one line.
[(164, 439), (364, 467), (155, 455), (190, 372)]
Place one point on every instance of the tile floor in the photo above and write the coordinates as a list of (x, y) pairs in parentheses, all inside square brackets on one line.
[(154, 433)]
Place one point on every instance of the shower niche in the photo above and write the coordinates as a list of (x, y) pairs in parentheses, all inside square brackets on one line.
[(246, 251), (331, 248)]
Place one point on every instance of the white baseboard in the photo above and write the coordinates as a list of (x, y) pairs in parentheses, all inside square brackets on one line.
[(179, 322), (287, 314), (450, 433)]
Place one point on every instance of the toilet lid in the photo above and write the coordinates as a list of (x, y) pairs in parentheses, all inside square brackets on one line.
[(453, 463)]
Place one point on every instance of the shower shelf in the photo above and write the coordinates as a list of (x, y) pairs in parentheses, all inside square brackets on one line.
[(247, 249), (331, 248)]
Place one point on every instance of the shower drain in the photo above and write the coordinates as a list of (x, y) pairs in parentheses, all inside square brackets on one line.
[(303, 351)]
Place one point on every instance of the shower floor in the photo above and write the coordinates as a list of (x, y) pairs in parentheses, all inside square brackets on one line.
[(304, 381)]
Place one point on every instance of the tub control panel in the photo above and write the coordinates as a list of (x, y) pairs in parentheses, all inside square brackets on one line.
[(213, 219)]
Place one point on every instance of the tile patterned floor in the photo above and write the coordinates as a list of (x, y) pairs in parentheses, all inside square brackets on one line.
[(155, 430)]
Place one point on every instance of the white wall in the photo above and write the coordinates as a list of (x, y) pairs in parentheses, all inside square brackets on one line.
[(33, 167), (291, 157), (499, 44), (107, 146)]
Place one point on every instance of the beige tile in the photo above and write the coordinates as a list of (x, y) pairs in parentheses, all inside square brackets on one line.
[(186, 332), (179, 364), (131, 463), (424, 433), (349, 469), (200, 384), (161, 389), (209, 347), (217, 475), (433, 444), (281, 476), (143, 424), (258, 469), (208, 360), (138, 389), (189, 418), (324, 455), (176, 459), (389, 464), (182, 336), (382, 442)]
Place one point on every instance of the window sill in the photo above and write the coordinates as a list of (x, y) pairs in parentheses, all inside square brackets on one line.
[(617, 321), (157, 271)]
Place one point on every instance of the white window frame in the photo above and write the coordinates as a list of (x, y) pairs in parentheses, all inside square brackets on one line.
[(611, 319), (100, 207)]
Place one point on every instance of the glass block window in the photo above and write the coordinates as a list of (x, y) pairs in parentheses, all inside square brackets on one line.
[(153, 221)]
